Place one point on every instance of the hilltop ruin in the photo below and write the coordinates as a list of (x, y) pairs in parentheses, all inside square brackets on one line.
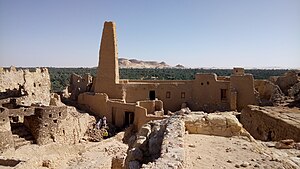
[(163, 123)]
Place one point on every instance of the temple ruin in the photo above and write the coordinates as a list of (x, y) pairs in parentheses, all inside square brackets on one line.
[(161, 123), (136, 102)]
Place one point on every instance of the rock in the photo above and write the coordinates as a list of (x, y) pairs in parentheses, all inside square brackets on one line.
[(141, 142), (192, 145), (297, 146), (269, 144), (285, 144), (46, 163), (134, 154), (269, 93), (229, 161), (294, 91), (256, 166), (237, 166), (245, 164), (117, 162), (145, 130), (134, 165), (220, 124), (288, 80)]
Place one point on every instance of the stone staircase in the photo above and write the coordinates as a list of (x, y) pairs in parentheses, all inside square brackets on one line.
[(21, 135)]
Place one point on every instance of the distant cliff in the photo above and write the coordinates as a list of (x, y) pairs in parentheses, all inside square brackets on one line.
[(133, 63)]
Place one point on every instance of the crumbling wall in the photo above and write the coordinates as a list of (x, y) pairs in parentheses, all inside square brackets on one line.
[(79, 85), (271, 123), (158, 144), (269, 93), (172, 147), (294, 92), (286, 81), (153, 106), (29, 87), (57, 124), (219, 124), (6, 138)]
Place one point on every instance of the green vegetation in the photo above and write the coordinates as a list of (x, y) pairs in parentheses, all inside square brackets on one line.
[(60, 76)]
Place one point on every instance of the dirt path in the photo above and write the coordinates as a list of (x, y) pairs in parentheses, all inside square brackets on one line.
[(203, 151)]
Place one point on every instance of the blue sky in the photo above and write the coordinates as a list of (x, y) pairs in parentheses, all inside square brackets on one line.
[(214, 33)]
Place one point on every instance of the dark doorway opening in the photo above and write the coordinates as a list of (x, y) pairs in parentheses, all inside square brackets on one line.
[(113, 116), (152, 94), (129, 118)]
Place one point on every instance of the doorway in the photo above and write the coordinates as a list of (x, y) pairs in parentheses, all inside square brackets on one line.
[(152, 94), (129, 118)]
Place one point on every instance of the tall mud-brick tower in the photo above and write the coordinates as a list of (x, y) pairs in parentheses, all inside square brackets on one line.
[(108, 68)]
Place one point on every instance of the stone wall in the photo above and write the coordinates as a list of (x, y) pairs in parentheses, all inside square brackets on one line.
[(294, 92), (57, 124), (79, 84), (29, 87), (6, 138), (286, 81), (172, 148), (158, 144), (271, 123), (269, 93), (219, 124)]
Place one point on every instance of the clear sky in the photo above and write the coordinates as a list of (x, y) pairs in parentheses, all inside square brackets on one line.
[(195, 33)]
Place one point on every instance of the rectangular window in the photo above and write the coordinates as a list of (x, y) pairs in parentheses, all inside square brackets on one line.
[(182, 95), (223, 94), (168, 95)]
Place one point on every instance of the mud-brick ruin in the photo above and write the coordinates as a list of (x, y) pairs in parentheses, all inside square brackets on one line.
[(126, 102), (31, 114), (161, 124)]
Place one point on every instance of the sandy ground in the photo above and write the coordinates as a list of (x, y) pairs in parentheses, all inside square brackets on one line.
[(83, 155), (203, 151)]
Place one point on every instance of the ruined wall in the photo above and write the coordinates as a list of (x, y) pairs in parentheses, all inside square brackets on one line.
[(96, 103), (269, 93), (286, 81), (6, 138), (158, 144), (29, 87), (142, 117), (79, 85), (172, 147), (57, 124), (219, 124), (152, 106), (271, 123), (294, 92), (11, 80)]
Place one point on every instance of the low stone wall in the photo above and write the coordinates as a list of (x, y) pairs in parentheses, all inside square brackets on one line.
[(158, 144), (272, 123), (219, 124), (172, 148)]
